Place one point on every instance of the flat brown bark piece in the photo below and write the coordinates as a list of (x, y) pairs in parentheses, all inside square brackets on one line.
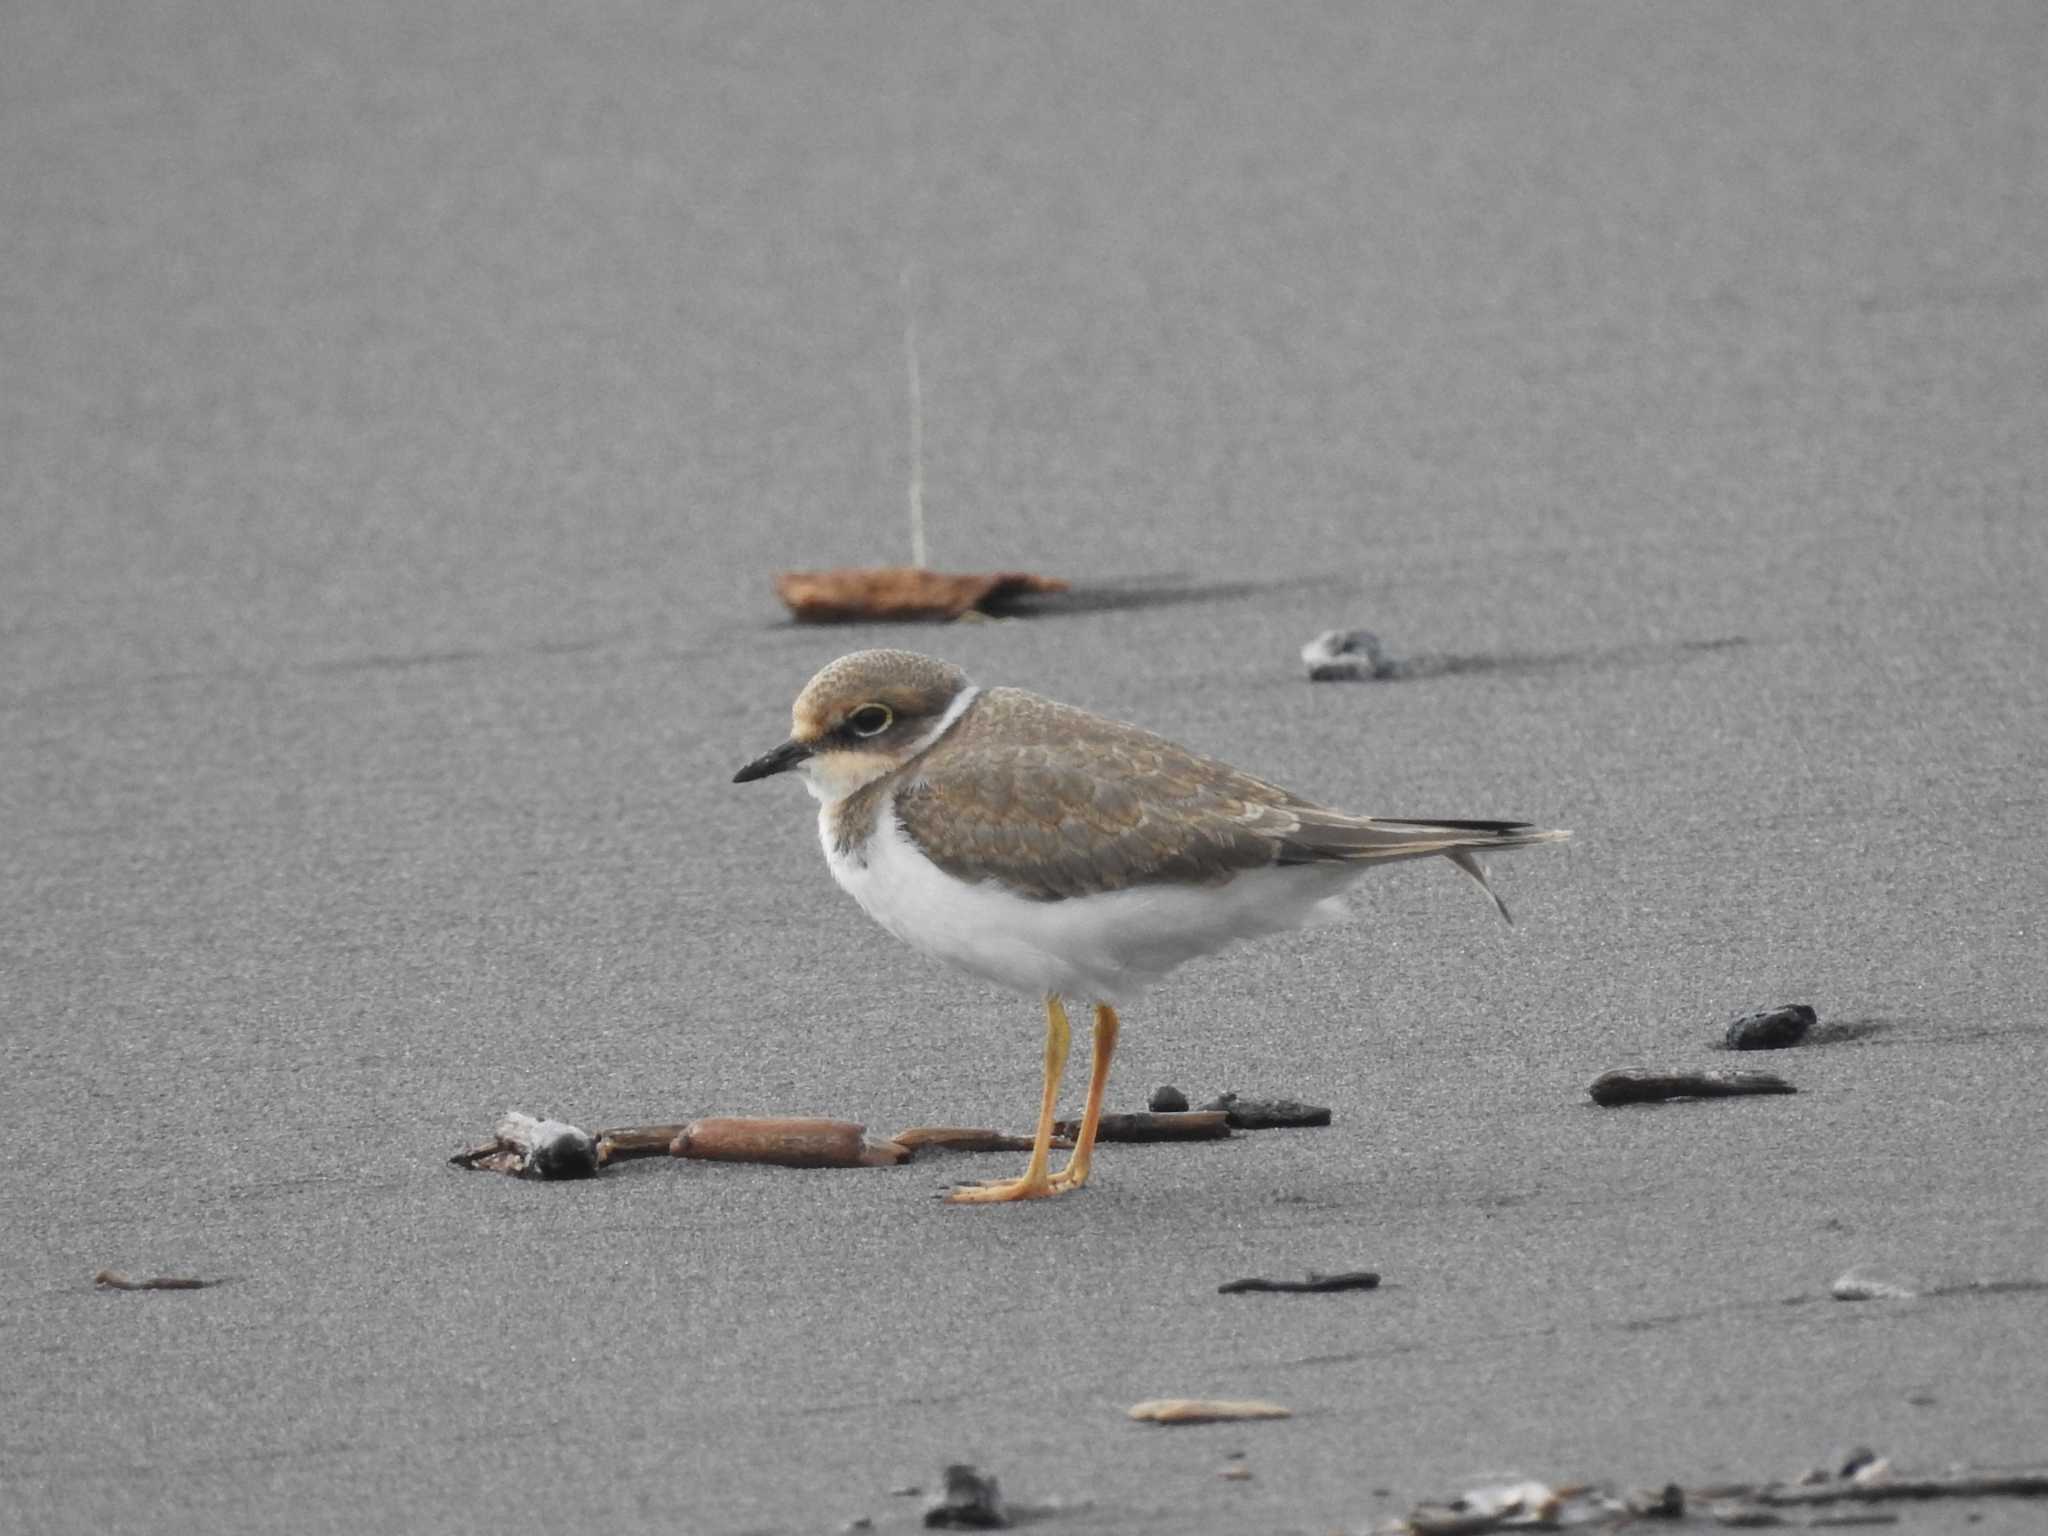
[(1205, 1410), (961, 1138), (1194, 1125), (790, 1142), (1639, 1085), (893, 593)]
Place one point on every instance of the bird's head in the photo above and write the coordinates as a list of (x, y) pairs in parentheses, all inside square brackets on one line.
[(864, 716)]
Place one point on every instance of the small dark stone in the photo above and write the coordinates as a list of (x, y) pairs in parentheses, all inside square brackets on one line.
[(970, 1502), (1168, 1100), (1268, 1114), (1772, 1030), (1856, 1461)]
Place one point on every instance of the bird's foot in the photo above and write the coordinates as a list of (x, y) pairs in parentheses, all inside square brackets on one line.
[(1067, 1178), (996, 1191)]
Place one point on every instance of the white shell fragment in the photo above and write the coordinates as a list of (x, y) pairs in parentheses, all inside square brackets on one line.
[(1344, 656), (1865, 1284)]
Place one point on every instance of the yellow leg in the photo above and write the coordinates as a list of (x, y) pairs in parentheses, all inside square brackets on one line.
[(1075, 1174), (1034, 1185)]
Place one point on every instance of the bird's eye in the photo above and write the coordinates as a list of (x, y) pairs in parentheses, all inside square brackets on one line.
[(870, 720)]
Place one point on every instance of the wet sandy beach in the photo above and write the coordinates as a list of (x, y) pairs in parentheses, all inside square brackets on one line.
[(405, 414)]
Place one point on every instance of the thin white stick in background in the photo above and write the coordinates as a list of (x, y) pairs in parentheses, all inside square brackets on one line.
[(917, 545)]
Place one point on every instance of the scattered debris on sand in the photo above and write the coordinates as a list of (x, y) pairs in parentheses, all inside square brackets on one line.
[(969, 1501), (1865, 1480), (1167, 1100), (114, 1280), (884, 594), (530, 1147), (1641, 1085), (1347, 1280), (1205, 1410), (1775, 1029)]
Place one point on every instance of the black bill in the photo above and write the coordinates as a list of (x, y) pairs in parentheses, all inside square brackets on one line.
[(781, 760)]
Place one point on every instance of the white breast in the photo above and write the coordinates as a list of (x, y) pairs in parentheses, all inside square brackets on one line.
[(1108, 947)]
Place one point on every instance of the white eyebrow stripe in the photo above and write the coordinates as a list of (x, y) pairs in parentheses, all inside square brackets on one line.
[(944, 723)]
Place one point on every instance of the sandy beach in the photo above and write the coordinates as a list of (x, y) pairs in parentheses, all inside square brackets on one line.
[(406, 412)]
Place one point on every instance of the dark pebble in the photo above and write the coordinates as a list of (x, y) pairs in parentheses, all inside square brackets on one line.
[(1772, 1030), (1167, 1101), (969, 1503), (1268, 1114)]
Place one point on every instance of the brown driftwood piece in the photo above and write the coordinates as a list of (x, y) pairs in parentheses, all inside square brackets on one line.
[(1640, 1085), (114, 1280), (1194, 1125), (786, 1141), (961, 1138), (894, 593), (628, 1142), (1350, 1280)]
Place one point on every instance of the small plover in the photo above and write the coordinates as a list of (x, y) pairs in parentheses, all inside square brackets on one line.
[(1065, 854)]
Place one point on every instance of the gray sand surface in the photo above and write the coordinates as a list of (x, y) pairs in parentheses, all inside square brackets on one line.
[(405, 407)]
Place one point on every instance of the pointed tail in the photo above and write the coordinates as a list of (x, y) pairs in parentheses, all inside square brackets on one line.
[(1379, 839)]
